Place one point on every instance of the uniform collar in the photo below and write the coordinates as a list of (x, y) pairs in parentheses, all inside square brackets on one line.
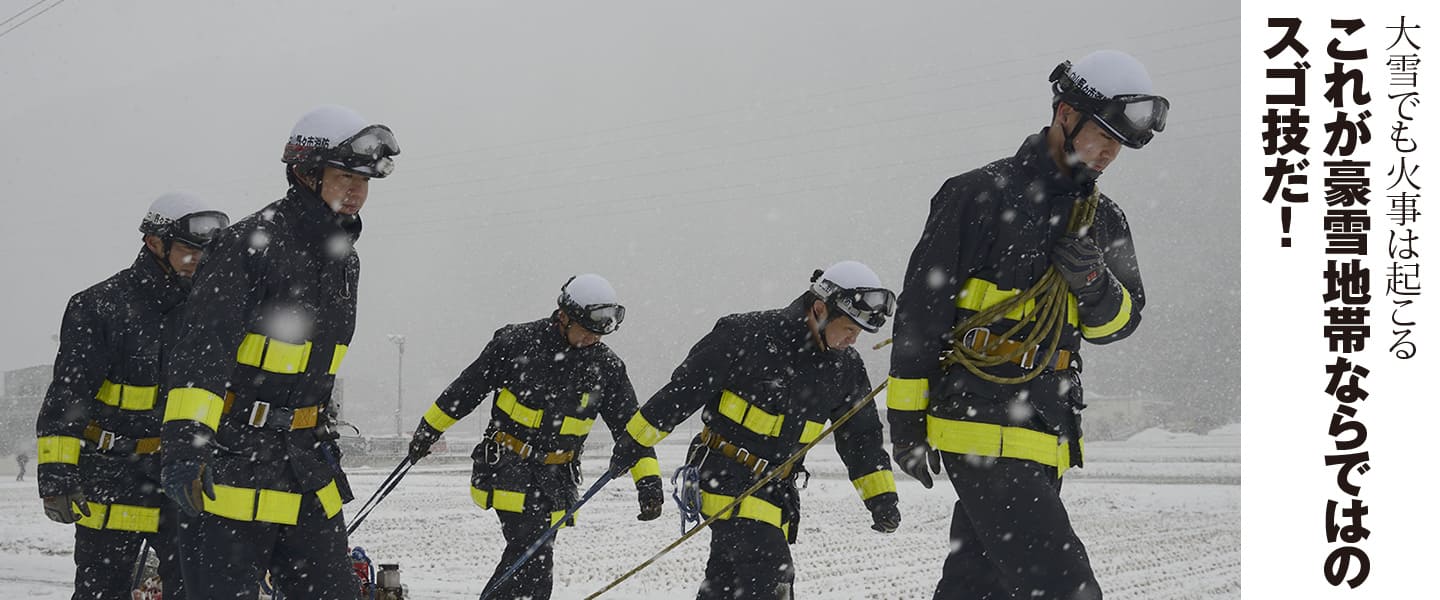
[(1034, 157), (797, 325), (162, 290), (315, 216)]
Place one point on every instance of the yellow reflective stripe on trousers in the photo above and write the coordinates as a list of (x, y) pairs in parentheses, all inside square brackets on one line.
[(524, 415), (574, 426), (986, 439), (750, 508), (874, 484), (1120, 321), (646, 434), (335, 359), (438, 419), (907, 394), (645, 467), (127, 397), (194, 404), (275, 356), (329, 497), (120, 517), (978, 294), (750, 416), (57, 449)]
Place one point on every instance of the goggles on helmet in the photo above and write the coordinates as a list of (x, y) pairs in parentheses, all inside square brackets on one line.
[(602, 319), (869, 307), (1131, 118), (198, 229), (367, 152)]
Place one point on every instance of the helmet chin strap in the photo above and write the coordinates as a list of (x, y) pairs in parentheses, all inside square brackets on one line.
[(1079, 171), (820, 325)]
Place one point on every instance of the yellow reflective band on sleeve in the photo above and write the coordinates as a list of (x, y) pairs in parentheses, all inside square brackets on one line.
[(340, 350), (96, 520), (751, 508), (574, 426), (124, 517), (978, 294), (524, 415), (750, 416), (811, 432), (874, 484), (278, 507), (508, 501), (985, 439), (231, 502), (195, 404), (438, 419), (329, 497), (273, 355), (908, 394), (481, 497), (1116, 324), (645, 467), (57, 449), (127, 397), (646, 434)]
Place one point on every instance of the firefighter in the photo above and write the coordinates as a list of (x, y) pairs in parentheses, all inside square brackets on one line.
[(550, 379), (248, 440), (1004, 418), (99, 426), (769, 381)]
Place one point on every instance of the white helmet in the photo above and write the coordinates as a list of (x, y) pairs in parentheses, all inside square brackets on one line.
[(184, 217), (590, 301), (854, 289), (1115, 90), (339, 137)]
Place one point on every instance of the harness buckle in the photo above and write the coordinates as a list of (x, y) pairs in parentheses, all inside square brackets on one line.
[(107, 440), (525, 451), (972, 339), (742, 455), (1028, 359), (259, 413), (760, 465)]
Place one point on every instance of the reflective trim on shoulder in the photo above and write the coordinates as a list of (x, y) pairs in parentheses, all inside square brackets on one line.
[(194, 404), (646, 434), (518, 412), (987, 439), (978, 294), (57, 449), (874, 484), (127, 397), (439, 419), (1116, 324), (645, 467), (908, 394)]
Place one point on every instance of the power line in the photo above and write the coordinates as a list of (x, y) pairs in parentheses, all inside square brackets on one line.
[(23, 11), (27, 19)]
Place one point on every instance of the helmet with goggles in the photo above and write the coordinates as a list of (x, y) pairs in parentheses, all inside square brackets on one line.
[(852, 289), (185, 218), (1113, 89), (590, 302), (336, 136)]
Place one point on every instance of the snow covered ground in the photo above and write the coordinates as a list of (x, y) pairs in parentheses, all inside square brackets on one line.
[(1159, 513)]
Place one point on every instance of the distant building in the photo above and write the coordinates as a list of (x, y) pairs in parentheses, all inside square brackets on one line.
[(19, 406)]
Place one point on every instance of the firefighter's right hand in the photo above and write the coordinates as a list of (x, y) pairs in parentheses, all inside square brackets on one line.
[(623, 458), (62, 509), (918, 461), (425, 437), (652, 497), (185, 482)]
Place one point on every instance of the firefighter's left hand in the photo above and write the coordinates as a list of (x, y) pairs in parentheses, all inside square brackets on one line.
[(652, 497), (1079, 260), (885, 513)]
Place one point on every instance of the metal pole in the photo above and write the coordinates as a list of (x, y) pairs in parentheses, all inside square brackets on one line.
[(399, 341)]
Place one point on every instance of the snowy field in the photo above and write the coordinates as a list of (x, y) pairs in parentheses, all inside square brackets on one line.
[(1160, 514)]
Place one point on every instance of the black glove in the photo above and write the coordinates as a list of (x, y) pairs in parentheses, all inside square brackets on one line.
[(627, 452), (184, 482), (652, 497), (912, 453), (1080, 262), (425, 437), (885, 512), (58, 508)]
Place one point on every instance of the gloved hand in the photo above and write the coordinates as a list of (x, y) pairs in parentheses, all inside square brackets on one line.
[(1080, 262), (425, 437), (885, 512), (910, 449), (59, 509), (184, 482), (627, 452), (652, 497)]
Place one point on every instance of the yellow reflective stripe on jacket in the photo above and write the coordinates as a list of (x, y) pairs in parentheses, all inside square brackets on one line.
[(751, 508), (874, 484), (329, 497), (811, 432), (481, 497), (986, 439), (270, 506), (645, 467), (275, 356), (57, 449), (574, 426), (438, 419), (750, 416), (507, 501), (335, 359), (908, 394), (555, 517), (194, 404), (648, 435), (127, 397), (122, 517), (524, 415), (978, 294), (1120, 321)]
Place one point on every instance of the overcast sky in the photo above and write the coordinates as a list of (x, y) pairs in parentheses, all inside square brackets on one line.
[(705, 157)]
